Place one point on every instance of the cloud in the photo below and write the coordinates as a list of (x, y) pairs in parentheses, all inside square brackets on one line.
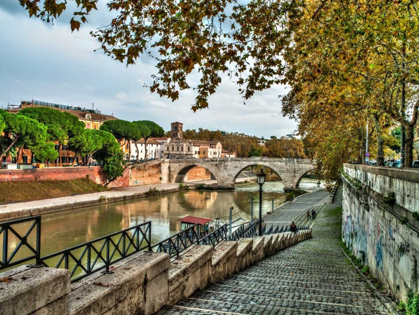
[(58, 66)]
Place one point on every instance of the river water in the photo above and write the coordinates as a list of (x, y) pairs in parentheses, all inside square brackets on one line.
[(65, 229)]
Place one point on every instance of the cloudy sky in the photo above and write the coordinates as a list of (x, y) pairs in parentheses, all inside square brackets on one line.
[(49, 63)]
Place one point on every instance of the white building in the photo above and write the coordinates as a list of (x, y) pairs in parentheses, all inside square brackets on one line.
[(261, 142), (155, 149)]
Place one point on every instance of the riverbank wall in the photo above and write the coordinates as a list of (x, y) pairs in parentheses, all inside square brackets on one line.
[(93, 173), (381, 223), (139, 284)]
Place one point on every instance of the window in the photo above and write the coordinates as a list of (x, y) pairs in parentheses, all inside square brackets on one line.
[(189, 149), (88, 116), (173, 148), (181, 149), (57, 147), (177, 148), (167, 148), (64, 147)]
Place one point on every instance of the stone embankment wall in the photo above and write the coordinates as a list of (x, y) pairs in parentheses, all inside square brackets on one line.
[(381, 223), (94, 173), (140, 284)]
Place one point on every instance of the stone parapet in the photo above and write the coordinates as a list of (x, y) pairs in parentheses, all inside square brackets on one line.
[(139, 284), (34, 291)]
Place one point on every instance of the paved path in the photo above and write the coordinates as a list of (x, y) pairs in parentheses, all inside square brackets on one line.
[(297, 209), (312, 277)]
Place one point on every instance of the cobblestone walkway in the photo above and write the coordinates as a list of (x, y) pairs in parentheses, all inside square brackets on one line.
[(312, 277)]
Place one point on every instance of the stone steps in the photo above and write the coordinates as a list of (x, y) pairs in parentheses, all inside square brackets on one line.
[(312, 277)]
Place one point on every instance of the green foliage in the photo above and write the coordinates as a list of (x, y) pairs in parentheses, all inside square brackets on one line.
[(110, 156), (21, 131), (255, 151), (153, 191), (102, 198), (412, 305), (390, 199), (401, 307), (2, 122), (183, 187), (121, 129), (60, 125), (404, 220), (155, 129), (46, 152), (415, 215), (365, 270)]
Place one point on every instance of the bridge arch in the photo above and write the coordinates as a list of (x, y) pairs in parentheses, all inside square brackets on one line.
[(179, 174), (277, 172), (300, 176)]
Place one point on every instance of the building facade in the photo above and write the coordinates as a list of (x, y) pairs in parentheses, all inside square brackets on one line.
[(155, 149)]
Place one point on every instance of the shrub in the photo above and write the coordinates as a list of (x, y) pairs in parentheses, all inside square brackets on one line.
[(390, 199), (412, 305), (102, 198), (153, 191)]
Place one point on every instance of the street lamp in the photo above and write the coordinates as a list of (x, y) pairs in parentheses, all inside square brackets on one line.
[(261, 176)]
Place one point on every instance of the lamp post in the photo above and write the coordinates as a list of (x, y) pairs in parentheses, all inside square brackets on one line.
[(261, 176)]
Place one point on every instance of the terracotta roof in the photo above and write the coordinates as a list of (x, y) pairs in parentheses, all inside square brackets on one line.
[(205, 142), (194, 220), (149, 141)]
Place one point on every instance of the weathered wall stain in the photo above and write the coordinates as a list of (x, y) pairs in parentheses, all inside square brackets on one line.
[(379, 254)]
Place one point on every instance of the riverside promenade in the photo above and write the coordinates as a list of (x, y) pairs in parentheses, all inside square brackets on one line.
[(312, 277)]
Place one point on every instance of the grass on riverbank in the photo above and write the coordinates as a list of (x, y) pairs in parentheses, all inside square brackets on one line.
[(28, 191)]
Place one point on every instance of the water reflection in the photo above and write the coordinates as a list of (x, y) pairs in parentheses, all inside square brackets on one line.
[(69, 228)]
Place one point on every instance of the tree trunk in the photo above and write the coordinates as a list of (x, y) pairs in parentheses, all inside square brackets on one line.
[(145, 151), (408, 145), (380, 142), (138, 152), (10, 146)]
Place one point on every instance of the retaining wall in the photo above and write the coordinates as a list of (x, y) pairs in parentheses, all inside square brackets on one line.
[(383, 234), (140, 284), (94, 173)]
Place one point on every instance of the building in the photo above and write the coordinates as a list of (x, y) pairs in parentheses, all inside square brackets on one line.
[(92, 118), (179, 148), (155, 148), (261, 142), (227, 154), (177, 130)]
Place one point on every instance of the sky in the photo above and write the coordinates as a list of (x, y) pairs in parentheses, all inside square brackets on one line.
[(46, 62)]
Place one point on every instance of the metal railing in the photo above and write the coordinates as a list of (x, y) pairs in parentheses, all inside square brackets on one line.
[(179, 242), (216, 237), (244, 230), (87, 258), (9, 232)]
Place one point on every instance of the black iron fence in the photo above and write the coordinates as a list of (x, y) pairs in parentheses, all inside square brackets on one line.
[(99, 254), (177, 243), (87, 258), (26, 236), (216, 237)]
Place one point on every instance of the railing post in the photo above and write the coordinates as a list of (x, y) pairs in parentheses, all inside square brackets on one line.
[(231, 220), (5, 244), (38, 242), (251, 212), (107, 240), (149, 236), (272, 205)]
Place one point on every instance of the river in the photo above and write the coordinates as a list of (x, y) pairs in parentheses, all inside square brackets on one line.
[(68, 228)]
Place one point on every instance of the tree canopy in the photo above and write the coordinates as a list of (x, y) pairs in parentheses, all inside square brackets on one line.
[(348, 63), (21, 131), (60, 125)]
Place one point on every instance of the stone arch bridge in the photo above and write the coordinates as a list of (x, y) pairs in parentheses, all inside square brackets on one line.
[(225, 171)]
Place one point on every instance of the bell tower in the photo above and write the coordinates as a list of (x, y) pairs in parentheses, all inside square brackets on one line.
[(177, 130)]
